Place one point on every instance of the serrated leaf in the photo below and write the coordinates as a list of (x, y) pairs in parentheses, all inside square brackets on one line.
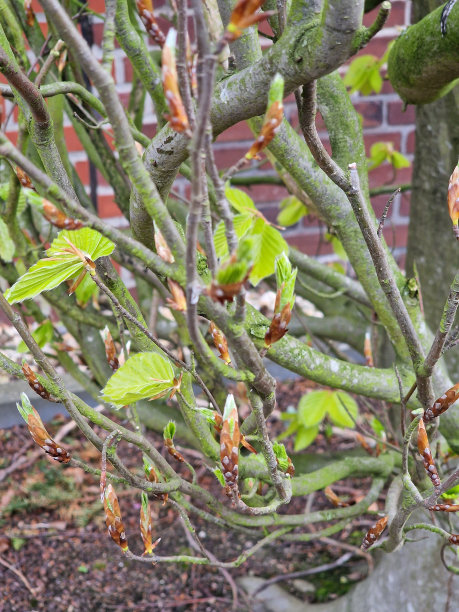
[(313, 407), (143, 376), (268, 244), (42, 335), (291, 211), (337, 411), (47, 274), (242, 223), (7, 247), (239, 200), (304, 437)]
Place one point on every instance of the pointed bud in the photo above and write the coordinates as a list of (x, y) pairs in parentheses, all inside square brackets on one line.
[(38, 432), (220, 342), (178, 299), (57, 218), (36, 385), (146, 526), (30, 14), (442, 404), (162, 248), (426, 454), (272, 120), (110, 350), (229, 444), (445, 508), (334, 499), (178, 118), (24, 178), (146, 14), (374, 533), (113, 518), (367, 351)]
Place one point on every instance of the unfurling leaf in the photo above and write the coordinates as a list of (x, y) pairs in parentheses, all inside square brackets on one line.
[(220, 342), (57, 218), (146, 14), (178, 118), (453, 200), (283, 460), (367, 351), (168, 435), (146, 526), (278, 327), (36, 385), (178, 299), (219, 476), (70, 256), (273, 117), (38, 432), (291, 211), (374, 533), (150, 473), (110, 350), (243, 16), (233, 273), (229, 444), (442, 404), (426, 454), (113, 518), (143, 376)]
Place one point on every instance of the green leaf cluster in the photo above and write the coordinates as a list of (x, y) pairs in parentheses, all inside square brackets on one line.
[(267, 242), (338, 406), (382, 152), (281, 455), (364, 73), (143, 376), (169, 431), (60, 265)]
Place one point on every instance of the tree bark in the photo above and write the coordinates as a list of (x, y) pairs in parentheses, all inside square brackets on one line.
[(431, 244)]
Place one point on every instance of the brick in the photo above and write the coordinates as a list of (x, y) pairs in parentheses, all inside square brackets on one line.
[(82, 169), (411, 142), (312, 244), (237, 133), (384, 175), (225, 158), (398, 116), (371, 139), (265, 193), (396, 236), (371, 112), (71, 139), (107, 207), (405, 200)]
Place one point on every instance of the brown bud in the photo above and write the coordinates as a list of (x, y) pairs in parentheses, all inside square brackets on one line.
[(453, 539), (445, 508), (24, 178), (30, 15), (442, 404), (43, 439), (225, 293), (334, 499), (426, 454), (229, 449), (271, 123), (220, 342), (374, 533), (243, 16), (110, 350), (36, 385), (453, 200), (113, 518), (367, 351), (57, 218), (146, 14), (178, 299), (278, 327), (172, 450)]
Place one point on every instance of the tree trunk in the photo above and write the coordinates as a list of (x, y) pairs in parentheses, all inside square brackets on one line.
[(431, 245)]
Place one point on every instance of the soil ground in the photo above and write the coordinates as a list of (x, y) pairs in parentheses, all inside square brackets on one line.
[(55, 553)]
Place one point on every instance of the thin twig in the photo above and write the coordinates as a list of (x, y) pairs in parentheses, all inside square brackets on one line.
[(52, 57), (20, 575), (385, 211)]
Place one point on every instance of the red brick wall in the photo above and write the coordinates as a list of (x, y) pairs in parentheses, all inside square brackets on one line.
[(383, 120)]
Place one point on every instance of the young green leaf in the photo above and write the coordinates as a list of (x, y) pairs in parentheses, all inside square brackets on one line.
[(239, 200), (313, 407), (242, 224), (285, 280), (268, 244), (337, 246), (60, 265), (341, 403), (281, 456), (144, 375), (305, 436), (291, 211)]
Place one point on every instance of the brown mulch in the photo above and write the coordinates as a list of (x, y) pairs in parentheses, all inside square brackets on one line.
[(52, 532)]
